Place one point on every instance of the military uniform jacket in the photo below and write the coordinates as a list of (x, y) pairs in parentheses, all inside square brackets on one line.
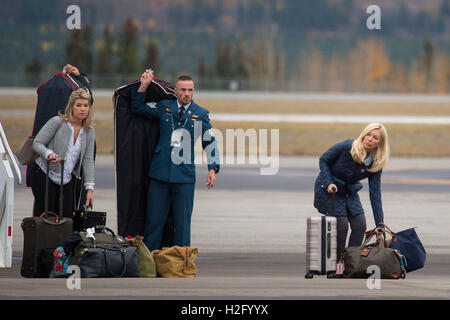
[(163, 166), (338, 167)]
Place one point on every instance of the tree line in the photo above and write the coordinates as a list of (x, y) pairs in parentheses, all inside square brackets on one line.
[(105, 57), (259, 64)]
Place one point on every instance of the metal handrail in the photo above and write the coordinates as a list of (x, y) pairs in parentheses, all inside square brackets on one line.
[(10, 154)]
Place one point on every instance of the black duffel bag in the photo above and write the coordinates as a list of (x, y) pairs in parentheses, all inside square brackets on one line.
[(105, 255)]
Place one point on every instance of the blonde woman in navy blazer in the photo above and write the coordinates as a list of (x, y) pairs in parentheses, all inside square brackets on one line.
[(341, 168), (69, 136)]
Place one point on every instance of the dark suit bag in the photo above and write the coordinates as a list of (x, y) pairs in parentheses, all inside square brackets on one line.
[(41, 236), (138, 136)]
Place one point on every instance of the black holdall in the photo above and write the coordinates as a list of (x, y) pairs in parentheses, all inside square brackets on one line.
[(100, 255)]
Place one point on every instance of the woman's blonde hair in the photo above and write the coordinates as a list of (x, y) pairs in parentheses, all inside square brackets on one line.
[(380, 154), (80, 93)]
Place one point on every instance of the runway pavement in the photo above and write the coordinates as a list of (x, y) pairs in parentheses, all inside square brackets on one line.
[(251, 230)]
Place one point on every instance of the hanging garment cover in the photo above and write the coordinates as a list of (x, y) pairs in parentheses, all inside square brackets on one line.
[(135, 139), (53, 96)]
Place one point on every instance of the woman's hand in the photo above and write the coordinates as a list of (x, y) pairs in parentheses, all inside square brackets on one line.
[(146, 79), (54, 158), (72, 70), (332, 188), (90, 198)]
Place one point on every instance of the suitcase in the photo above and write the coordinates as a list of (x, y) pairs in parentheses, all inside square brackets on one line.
[(43, 234), (84, 219), (321, 245)]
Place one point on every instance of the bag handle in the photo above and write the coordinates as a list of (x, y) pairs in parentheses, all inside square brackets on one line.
[(61, 193), (59, 218), (385, 229), (122, 252), (116, 242), (392, 233), (52, 213), (370, 236), (46, 190)]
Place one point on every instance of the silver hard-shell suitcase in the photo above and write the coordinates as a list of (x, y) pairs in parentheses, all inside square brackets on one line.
[(321, 245)]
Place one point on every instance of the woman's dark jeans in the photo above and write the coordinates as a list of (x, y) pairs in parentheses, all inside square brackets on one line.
[(358, 227)]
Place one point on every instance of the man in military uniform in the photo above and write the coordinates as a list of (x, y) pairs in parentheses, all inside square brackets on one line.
[(172, 172)]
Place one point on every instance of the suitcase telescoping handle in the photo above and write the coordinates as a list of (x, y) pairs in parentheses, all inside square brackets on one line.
[(340, 262), (59, 218), (333, 201)]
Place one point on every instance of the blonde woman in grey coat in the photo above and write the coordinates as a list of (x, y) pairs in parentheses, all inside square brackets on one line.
[(69, 136)]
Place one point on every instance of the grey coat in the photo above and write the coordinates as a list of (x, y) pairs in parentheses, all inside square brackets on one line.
[(55, 135)]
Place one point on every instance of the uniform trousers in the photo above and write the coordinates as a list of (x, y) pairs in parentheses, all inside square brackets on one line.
[(159, 198)]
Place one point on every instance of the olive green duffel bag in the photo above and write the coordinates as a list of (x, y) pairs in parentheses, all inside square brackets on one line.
[(147, 267)]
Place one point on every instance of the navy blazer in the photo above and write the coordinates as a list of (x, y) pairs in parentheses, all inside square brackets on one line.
[(338, 167), (162, 167)]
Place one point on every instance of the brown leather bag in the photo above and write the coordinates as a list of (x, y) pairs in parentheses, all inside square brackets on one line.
[(357, 260), (25, 153)]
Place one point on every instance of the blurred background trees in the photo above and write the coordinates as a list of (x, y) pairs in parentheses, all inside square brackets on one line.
[(320, 45)]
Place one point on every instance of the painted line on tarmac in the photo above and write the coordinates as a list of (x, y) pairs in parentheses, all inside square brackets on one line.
[(281, 118), (293, 118), (416, 181), (411, 98)]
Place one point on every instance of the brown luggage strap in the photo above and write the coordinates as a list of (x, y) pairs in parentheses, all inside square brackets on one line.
[(184, 252), (186, 261)]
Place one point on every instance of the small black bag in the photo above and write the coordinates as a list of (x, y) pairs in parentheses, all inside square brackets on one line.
[(84, 219)]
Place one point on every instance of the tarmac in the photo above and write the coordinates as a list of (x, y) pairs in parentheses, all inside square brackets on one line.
[(251, 241)]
